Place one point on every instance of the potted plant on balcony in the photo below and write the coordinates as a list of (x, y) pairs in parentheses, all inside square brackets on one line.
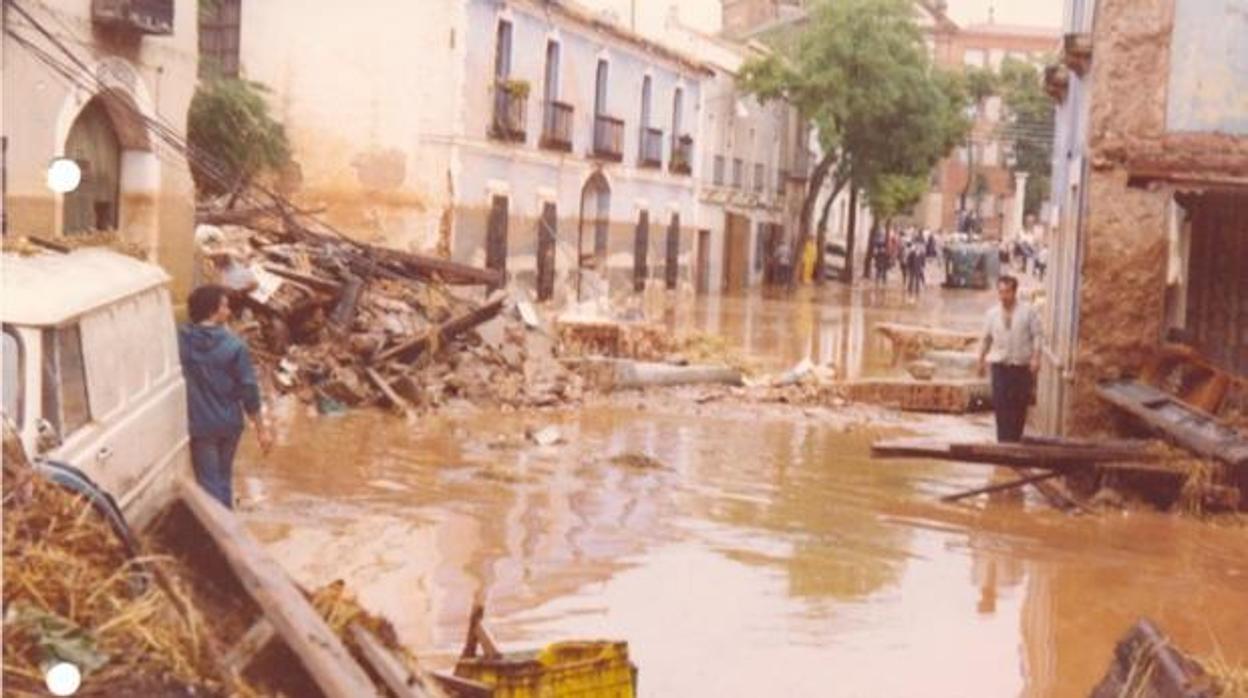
[(513, 87)]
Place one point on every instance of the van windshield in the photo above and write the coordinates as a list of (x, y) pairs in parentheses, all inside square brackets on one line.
[(12, 377)]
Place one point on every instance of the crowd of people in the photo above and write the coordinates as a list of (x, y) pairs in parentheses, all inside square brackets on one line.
[(910, 249)]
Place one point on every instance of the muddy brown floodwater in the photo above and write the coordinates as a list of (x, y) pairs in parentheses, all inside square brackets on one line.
[(765, 554)]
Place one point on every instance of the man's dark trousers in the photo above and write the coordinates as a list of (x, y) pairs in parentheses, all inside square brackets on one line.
[(213, 460), (1011, 395)]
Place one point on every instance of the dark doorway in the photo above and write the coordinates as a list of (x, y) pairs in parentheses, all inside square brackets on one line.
[(595, 215), (1217, 278), (736, 251), (702, 279), (671, 270), (641, 247), (496, 237), (547, 238), (94, 144)]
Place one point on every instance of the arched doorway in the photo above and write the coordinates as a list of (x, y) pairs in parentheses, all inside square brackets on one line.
[(595, 217), (95, 145)]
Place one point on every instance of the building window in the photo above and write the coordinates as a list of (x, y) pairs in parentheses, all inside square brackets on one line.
[(219, 38), (502, 51), (738, 173), (551, 87), (678, 99), (64, 381), (759, 180), (600, 89), (645, 101), (718, 179)]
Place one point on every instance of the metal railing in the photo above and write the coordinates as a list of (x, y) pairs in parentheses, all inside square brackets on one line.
[(608, 138), (557, 126), (651, 141), (682, 155), (509, 113)]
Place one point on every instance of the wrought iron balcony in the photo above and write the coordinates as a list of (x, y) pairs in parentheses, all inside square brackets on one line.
[(608, 138), (651, 147), (682, 155), (557, 127), (135, 16), (510, 102)]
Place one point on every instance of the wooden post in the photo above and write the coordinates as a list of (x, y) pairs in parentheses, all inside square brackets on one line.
[(303, 630)]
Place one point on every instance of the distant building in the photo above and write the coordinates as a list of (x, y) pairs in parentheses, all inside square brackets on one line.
[(1150, 190), (978, 176), (99, 87), (530, 136)]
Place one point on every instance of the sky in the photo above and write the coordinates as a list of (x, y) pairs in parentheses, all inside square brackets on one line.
[(1038, 13)]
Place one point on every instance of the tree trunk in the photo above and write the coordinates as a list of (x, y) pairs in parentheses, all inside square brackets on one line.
[(821, 232), (808, 207), (847, 273)]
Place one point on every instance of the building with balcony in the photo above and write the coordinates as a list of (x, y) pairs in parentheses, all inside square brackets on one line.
[(1150, 186), (530, 136), (102, 82)]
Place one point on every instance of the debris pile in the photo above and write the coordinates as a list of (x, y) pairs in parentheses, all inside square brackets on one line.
[(343, 324), (72, 594)]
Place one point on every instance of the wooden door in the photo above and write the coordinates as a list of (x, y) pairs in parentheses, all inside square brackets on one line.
[(702, 279), (496, 237), (641, 246), (547, 238), (671, 270), (736, 252)]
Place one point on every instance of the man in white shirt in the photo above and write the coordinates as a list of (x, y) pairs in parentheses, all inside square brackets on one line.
[(1011, 344)]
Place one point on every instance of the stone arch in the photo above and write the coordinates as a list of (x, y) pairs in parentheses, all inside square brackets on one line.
[(595, 214)]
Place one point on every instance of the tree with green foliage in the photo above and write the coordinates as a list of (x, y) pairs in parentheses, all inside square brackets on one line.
[(860, 73), (1028, 127), (233, 137)]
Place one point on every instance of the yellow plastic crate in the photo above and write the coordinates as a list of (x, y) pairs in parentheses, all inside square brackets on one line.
[(585, 669)]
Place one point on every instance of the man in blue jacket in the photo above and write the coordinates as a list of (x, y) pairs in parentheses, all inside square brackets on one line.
[(220, 387)]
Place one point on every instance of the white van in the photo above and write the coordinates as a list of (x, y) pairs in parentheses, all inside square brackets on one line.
[(91, 371)]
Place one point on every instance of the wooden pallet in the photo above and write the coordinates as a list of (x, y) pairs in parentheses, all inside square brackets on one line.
[(953, 395)]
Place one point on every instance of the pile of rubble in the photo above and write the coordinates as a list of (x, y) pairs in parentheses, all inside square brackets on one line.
[(343, 324)]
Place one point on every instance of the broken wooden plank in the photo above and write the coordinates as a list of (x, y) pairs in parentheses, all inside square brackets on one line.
[(445, 332), (1023, 455), (311, 280), (344, 311), (443, 269), (1001, 486), (249, 645), (1194, 430), (397, 677), (1146, 664), (384, 386), (302, 629)]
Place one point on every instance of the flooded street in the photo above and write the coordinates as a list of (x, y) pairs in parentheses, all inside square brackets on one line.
[(761, 552)]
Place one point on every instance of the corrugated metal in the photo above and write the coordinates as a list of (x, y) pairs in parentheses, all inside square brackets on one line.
[(1208, 89)]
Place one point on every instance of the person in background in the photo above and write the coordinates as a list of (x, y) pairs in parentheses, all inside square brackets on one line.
[(220, 388), (1011, 345)]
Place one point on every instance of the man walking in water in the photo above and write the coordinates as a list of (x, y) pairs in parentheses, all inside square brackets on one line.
[(1011, 344), (220, 387)]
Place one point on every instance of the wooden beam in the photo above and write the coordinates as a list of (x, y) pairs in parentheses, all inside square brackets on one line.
[(412, 348), (988, 489), (302, 629), (247, 647), (1197, 431), (399, 403), (397, 677), (316, 282)]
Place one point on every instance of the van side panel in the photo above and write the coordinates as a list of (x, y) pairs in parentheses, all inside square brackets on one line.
[(138, 401)]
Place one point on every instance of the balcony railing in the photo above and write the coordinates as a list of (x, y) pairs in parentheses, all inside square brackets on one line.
[(608, 138), (682, 156), (557, 127), (140, 16), (510, 104), (651, 140)]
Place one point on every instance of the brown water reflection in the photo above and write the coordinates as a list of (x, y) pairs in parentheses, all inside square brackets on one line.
[(769, 557)]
